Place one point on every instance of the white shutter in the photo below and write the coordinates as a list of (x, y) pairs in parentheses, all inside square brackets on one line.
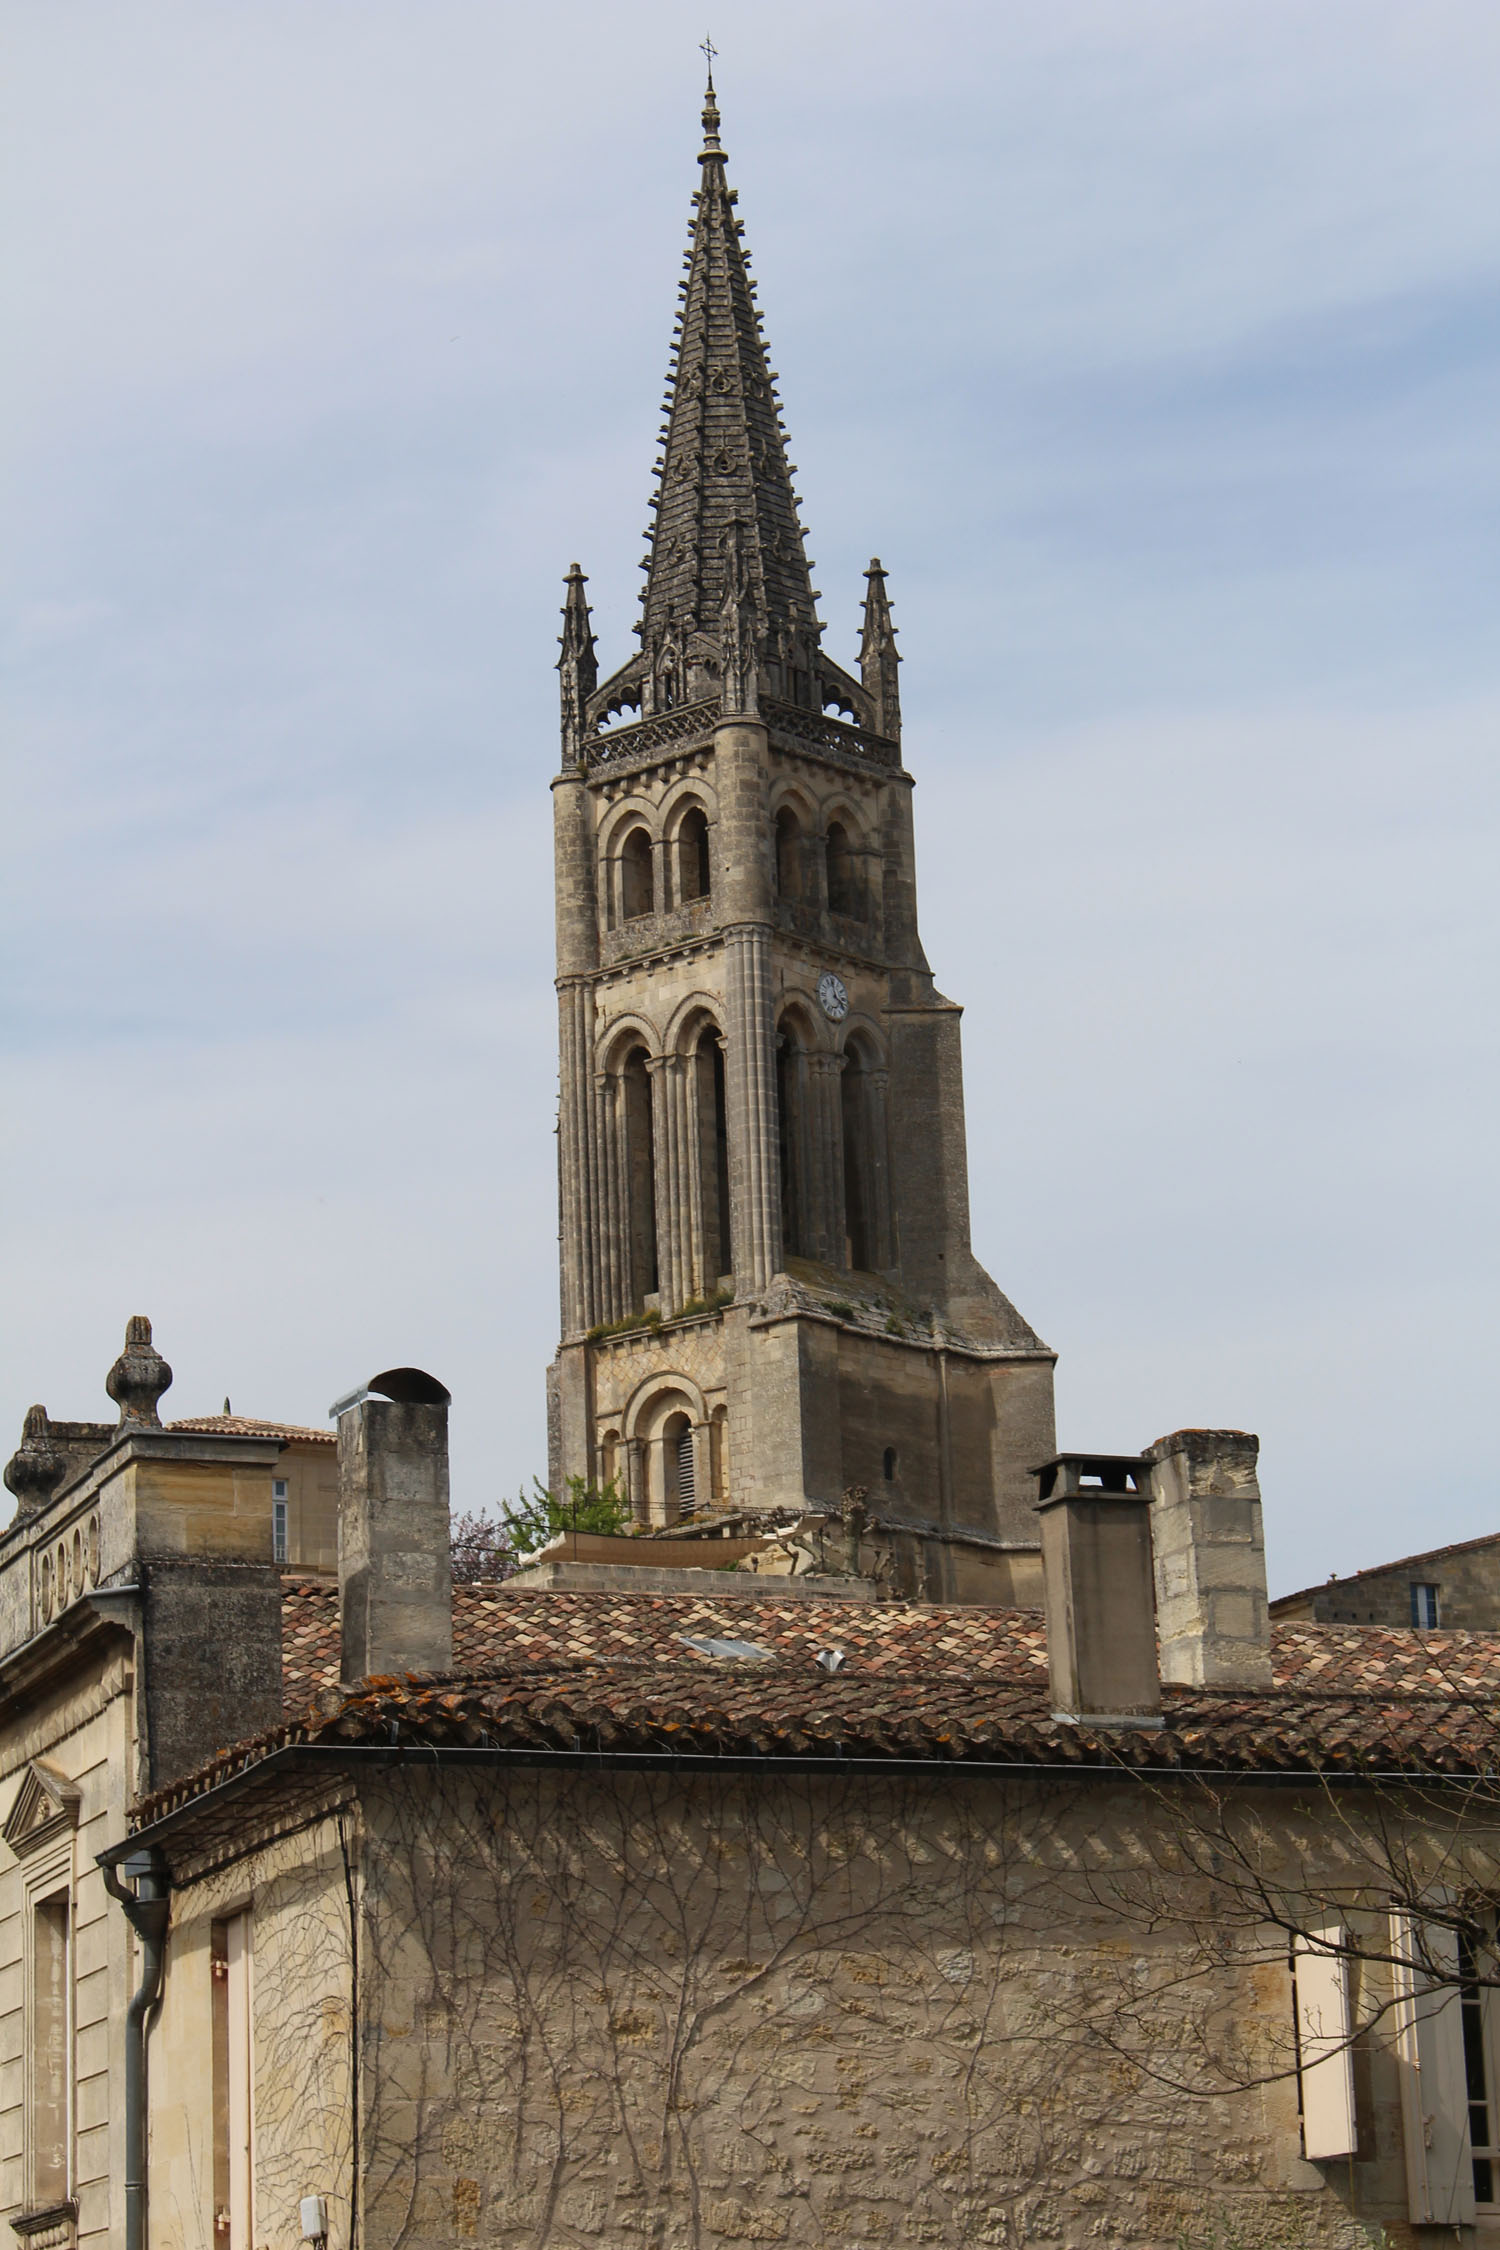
[(1323, 2033), (1434, 2096), (241, 2088)]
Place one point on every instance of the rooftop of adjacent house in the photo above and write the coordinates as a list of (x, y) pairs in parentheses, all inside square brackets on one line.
[(1428, 1556), (684, 1675), (247, 1425)]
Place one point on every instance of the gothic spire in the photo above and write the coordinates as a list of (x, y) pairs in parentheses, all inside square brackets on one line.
[(728, 597)]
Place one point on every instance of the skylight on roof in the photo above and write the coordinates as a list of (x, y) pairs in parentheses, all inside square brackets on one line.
[(732, 1651)]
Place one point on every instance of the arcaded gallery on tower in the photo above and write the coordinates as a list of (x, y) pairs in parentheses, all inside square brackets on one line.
[(769, 1296)]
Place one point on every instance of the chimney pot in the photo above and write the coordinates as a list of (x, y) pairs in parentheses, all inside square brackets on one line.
[(1097, 1585)]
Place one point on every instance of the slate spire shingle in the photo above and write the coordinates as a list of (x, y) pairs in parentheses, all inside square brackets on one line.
[(727, 571)]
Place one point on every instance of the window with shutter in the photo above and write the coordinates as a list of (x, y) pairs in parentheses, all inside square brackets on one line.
[(233, 2085), (1324, 2067), (1434, 2078), (1477, 2005)]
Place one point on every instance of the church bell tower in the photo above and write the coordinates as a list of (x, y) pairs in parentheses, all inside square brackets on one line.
[(768, 1293)]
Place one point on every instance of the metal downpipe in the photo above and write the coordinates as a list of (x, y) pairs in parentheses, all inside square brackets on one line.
[(147, 1908)]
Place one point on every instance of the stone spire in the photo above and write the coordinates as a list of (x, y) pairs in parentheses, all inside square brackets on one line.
[(727, 583), (878, 656), (577, 664), (138, 1377)]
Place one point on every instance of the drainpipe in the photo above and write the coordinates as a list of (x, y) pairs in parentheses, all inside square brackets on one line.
[(147, 1908)]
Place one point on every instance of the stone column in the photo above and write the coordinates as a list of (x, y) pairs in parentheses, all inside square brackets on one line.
[(699, 1281), (635, 1478), (745, 910), (703, 1469), (665, 1073), (577, 930), (750, 1087), (577, 1172), (608, 1247)]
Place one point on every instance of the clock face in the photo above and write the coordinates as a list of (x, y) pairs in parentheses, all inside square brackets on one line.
[(833, 998)]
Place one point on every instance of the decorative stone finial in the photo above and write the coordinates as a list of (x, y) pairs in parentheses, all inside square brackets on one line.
[(138, 1377), (36, 1468)]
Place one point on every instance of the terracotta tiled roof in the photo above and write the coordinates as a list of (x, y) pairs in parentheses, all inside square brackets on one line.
[(493, 1630), (246, 1425), (613, 1672), (604, 1673)]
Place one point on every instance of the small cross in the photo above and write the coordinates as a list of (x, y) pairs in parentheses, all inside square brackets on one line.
[(709, 50)]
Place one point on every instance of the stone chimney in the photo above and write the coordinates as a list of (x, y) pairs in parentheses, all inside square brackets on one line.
[(1097, 1584), (395, 1577), (1210, 1559)]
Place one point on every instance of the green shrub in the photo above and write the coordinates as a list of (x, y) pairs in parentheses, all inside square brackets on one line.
[(532, 1522)]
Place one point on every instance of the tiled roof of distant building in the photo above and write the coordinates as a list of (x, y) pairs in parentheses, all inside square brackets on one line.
[(247, 1425)]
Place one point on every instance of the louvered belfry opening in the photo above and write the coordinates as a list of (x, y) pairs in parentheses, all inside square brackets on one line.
[(680, 1456), (727, 537)]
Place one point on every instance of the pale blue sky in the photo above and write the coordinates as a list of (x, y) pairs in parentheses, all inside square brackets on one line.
[(1155, 347)]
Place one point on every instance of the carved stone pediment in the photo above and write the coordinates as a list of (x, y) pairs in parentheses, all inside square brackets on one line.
[(46, 1803)]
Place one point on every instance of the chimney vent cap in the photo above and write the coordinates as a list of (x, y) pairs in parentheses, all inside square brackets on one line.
[(404, 1386), (1092, 1476), (410, 1386)]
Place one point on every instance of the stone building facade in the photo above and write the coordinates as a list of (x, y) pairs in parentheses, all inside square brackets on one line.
[(1457, 1586), (768, 1290), (704, 1922), (140, 1630)]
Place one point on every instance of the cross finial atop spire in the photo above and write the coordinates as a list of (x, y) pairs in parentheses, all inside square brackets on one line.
[(711, 144)]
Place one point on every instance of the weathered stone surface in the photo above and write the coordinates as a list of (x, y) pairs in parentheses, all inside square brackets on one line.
[(759, 1079), (395, 1569)]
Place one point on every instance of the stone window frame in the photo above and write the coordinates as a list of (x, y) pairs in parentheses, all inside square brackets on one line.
[(41, 1831)]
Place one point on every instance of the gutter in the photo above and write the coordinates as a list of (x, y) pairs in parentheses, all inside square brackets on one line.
[(147, 1909), (333, 1757)]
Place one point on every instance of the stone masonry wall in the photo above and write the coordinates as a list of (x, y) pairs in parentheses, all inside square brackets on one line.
[(724, 2009), (1467, 1578)]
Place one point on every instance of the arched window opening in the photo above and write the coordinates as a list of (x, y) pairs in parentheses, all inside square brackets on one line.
[(888, 1464), (858, 1253), (635, 876), (713, 1158), (694, 877), (677, 1457), (788, 854), (640, 1174), (843, 872)]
